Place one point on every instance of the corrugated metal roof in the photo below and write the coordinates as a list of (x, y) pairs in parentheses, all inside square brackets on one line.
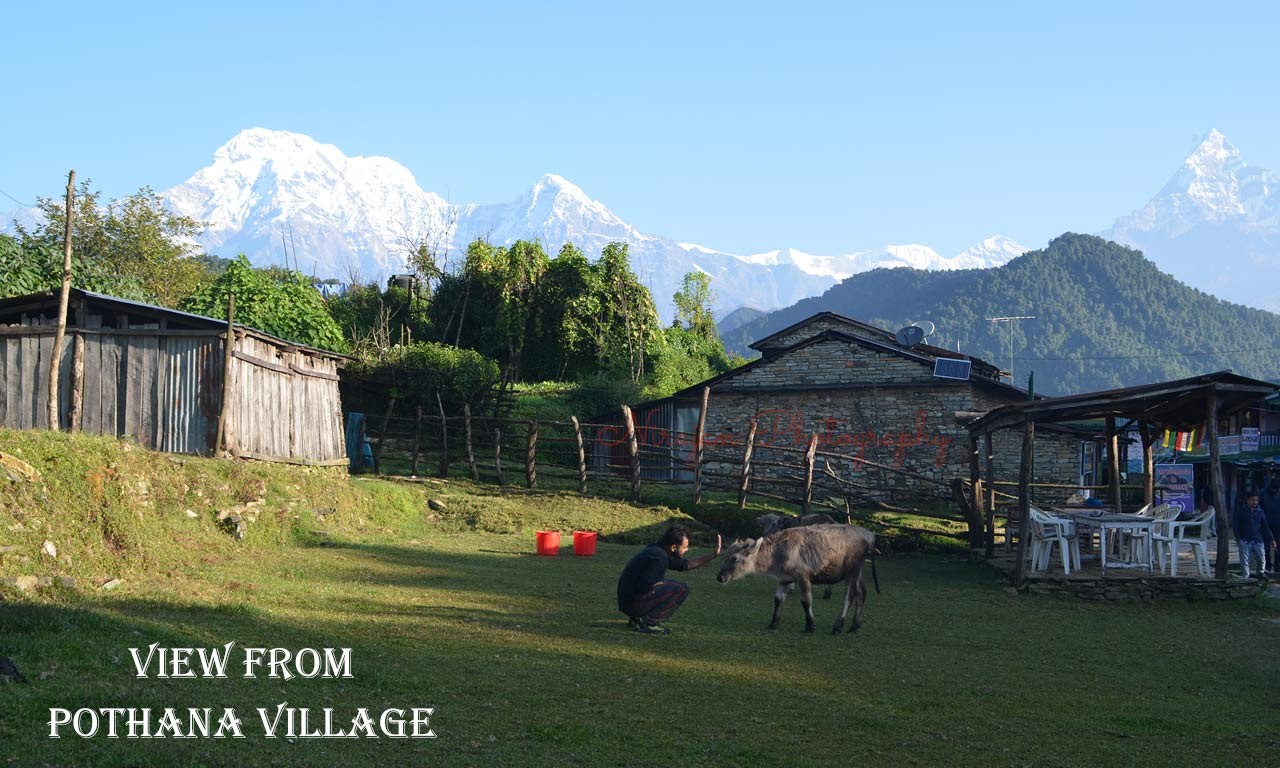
[(212, 323)]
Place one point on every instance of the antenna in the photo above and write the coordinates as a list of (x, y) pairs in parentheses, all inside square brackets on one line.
[(1009, 321)]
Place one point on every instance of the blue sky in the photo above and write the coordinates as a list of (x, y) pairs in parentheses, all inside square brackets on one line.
[(741, 126)]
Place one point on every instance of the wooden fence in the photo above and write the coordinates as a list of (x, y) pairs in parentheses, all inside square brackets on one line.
[(425, 439)]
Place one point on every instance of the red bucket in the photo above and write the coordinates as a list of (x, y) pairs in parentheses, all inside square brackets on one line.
[(548, 542), (584, 543)]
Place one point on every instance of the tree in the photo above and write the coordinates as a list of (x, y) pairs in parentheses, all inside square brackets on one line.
[(277, 301), (32, 267), (693, 305), (137, 237)]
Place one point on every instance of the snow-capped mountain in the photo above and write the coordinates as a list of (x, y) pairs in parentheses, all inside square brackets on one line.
[(994, 251), (1215, 225), (268, 193)]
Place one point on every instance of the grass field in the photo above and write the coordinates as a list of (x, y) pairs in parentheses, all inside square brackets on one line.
[(527, 663)]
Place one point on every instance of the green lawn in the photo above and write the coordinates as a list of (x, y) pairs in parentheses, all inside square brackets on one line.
[(525, 659), (527, 663)]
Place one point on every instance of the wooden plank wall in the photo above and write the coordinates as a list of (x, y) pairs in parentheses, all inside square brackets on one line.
[(285, 403)]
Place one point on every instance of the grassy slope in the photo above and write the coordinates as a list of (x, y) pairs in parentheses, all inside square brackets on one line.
[(528, 664)]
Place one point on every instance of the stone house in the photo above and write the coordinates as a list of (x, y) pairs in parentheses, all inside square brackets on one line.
[(862, 393)]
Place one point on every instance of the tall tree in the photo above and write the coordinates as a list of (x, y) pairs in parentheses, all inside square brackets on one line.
[(136, 237)]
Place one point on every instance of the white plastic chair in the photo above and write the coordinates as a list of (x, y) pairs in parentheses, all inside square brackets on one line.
[(1047, 530), (1172, 536), (1136, 544)]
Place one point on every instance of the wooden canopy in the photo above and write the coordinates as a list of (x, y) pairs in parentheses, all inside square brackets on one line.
[(1181, 404)]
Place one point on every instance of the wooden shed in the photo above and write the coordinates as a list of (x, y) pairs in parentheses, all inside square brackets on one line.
[(157, 375)]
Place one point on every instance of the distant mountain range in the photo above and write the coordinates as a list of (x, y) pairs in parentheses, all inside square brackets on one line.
[(271, 192), (1105, 317), (1216, 225)]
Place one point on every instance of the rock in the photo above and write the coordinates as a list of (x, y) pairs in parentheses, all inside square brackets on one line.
[(437, 505), (45, 581), (192, 513), (112, 584), (67, 581), (49, 549), (22, 583), (17, 470)]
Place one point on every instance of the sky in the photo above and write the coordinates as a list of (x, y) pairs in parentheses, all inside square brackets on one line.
[(827, 127)]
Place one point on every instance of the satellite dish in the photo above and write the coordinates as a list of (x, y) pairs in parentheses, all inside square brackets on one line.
[(926, 326), (909, 336)]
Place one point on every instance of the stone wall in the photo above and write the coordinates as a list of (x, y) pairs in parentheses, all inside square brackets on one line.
[(880, 406)]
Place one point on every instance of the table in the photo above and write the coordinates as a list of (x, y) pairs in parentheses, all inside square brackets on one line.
[(1105, 521)]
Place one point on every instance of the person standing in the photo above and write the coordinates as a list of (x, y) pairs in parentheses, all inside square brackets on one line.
[(644, 594), (1252, 536)]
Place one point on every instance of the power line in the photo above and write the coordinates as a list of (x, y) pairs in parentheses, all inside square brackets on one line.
[(16, 200)]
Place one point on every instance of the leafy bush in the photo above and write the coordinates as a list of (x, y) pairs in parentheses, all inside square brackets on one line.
[(415, 372), (33, 267), (276, 301)]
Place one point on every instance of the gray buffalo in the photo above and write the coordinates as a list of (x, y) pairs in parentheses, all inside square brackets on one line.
[(808, 555), (771, 524)]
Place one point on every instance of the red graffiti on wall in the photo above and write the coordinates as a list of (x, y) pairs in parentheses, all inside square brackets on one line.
[(787, 427)]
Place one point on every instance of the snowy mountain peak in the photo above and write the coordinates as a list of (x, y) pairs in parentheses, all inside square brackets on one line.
[(1215, 207)]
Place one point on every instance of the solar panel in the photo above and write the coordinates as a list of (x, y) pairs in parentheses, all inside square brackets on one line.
[(948, 368)]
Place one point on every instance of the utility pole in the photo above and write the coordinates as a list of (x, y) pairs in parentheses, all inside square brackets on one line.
[(1009, 321)]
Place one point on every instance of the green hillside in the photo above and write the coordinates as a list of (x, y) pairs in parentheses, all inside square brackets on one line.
[(1105, 317)]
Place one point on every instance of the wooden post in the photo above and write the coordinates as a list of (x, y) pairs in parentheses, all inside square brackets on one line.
[(745, 482), (530, 447), (1222, 521), (991, 494), (77, 382), (582, 456), (808, 473), (1148, 464), (471, 456), (976, 532), (497, 452), (634, 447), (382, 436), (1113, 445), (417, 441), (230, 345), (698, 442), (1025, 473), (444, 438), (55, 365)]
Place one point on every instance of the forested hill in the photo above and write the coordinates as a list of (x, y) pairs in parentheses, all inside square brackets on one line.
[(1105, 317)]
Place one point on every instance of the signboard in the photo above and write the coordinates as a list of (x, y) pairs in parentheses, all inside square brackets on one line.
[(1229, 445), (1249, 439), (1179, 482)]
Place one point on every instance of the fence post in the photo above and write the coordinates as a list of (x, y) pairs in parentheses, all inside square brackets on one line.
[(582, 456), (530, 446), (698, 445), (635, 452), (471, 456), (444, 438), (229, 349), (497, 452), (382, 436), (808, 472), (746, 466), (417, 441)]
